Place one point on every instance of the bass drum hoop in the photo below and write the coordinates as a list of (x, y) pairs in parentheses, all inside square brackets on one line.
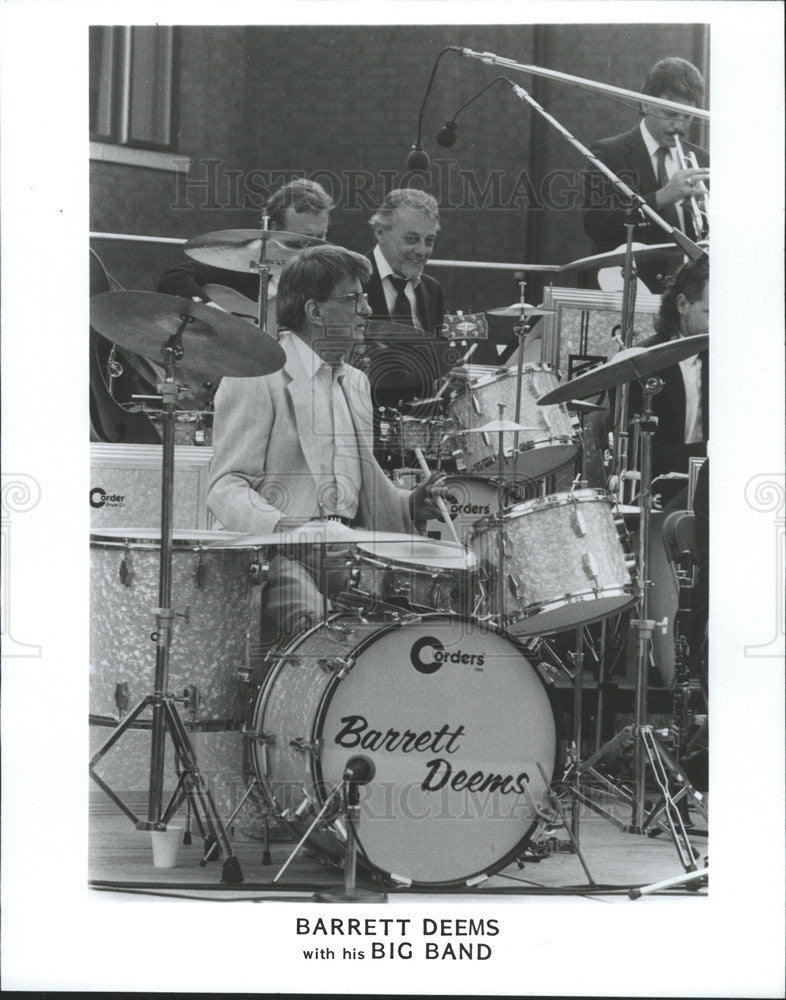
[(316, 767)]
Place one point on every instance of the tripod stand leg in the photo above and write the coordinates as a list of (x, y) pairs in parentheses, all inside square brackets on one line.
[(200, 796)]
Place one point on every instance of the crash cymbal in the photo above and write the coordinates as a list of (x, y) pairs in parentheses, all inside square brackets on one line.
[(517, 308), (642, 252), (215, 343), (329, 532), (627, 366), (241, 249)]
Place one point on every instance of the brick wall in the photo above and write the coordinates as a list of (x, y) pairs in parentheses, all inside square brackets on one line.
[(257, 105)]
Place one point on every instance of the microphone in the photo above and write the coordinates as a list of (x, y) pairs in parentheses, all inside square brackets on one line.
[(447, 134), (418, 159), (359, 769)]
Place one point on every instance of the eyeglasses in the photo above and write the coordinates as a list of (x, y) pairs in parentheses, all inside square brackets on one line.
[(359, 297)]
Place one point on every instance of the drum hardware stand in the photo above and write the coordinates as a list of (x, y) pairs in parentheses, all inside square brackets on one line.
[(646, 747), (263, 270), (547, 819), (358, 771), (190, 785)]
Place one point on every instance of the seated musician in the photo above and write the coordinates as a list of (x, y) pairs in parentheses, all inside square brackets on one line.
[(301, 206), (297, 445), (682, 406), (646, 159)]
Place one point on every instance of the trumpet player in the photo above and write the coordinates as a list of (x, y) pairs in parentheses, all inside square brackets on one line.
[(655, 158)]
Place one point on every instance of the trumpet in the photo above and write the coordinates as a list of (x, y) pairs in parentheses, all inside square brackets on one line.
[(699, 218)]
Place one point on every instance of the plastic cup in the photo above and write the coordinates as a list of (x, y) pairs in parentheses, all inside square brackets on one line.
[(165, 846)]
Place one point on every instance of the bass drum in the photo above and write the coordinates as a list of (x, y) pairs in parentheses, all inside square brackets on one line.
[(455, 719)]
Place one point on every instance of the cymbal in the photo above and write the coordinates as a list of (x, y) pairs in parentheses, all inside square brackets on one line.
[(581, 406), (241, 249), (643, 252), (517, 308), (329, 532), (627, 366), (215, 343)]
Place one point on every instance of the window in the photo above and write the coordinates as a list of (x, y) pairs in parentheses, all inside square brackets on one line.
[(131, 86)]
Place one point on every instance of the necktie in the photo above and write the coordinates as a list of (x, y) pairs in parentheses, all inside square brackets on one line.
[(402, 310)]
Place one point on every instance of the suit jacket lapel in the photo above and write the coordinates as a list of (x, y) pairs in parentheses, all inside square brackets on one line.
[(640, 162), (300, 390), (376, 293), (424, 307)]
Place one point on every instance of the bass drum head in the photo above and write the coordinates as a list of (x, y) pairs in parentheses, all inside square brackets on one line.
[(456, 721)]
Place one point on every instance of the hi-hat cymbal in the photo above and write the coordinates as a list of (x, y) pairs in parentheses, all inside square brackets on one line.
[(627, 366), (518, 308), (241, 249), (641, 251), (214, 343)]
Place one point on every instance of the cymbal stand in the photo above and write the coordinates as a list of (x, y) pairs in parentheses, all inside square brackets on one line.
[(630, 279), (647, 750), (520, 330), (166, 719), (501, 522), (263, 269)]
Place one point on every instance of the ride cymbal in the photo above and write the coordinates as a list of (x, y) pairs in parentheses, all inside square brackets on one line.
[(214, 342), (628, 365), (642, 252)]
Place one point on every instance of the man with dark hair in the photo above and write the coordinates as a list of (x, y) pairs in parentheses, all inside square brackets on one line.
[(297, 445), (301, 206), (646, 159), (682, 405)]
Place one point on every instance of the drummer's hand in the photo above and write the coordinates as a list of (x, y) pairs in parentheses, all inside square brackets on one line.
[(289, 524), (423, 499), (460, 374), (684, 184)]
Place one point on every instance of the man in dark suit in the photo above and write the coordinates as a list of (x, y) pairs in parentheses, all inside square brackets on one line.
[(405, 226), (646, 159)]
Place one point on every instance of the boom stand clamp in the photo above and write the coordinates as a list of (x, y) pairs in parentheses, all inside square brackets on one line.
[(190, 784)]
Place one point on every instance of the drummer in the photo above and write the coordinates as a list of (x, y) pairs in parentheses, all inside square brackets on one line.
[(297, 445), (302, 207)]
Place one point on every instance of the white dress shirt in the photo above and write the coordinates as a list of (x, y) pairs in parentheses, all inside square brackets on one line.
[(339, 470), (670, 162), (691, 376), (385, 270)]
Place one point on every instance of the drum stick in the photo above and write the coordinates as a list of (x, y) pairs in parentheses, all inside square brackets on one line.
[(440, 502), (462, 361)]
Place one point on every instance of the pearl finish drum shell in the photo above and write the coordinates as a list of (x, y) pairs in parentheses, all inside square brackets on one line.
[(550, 442), (552, 547), (495, 718)]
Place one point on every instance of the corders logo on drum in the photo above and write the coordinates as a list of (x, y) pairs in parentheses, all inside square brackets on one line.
[(428, 654), (100, 498)]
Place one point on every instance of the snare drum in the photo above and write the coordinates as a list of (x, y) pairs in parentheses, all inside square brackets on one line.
[(566, 562), (457, 724), (215, 596), (550, 441), (422, 573)]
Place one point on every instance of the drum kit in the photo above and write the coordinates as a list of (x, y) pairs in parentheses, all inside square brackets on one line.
[(418, 681)]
